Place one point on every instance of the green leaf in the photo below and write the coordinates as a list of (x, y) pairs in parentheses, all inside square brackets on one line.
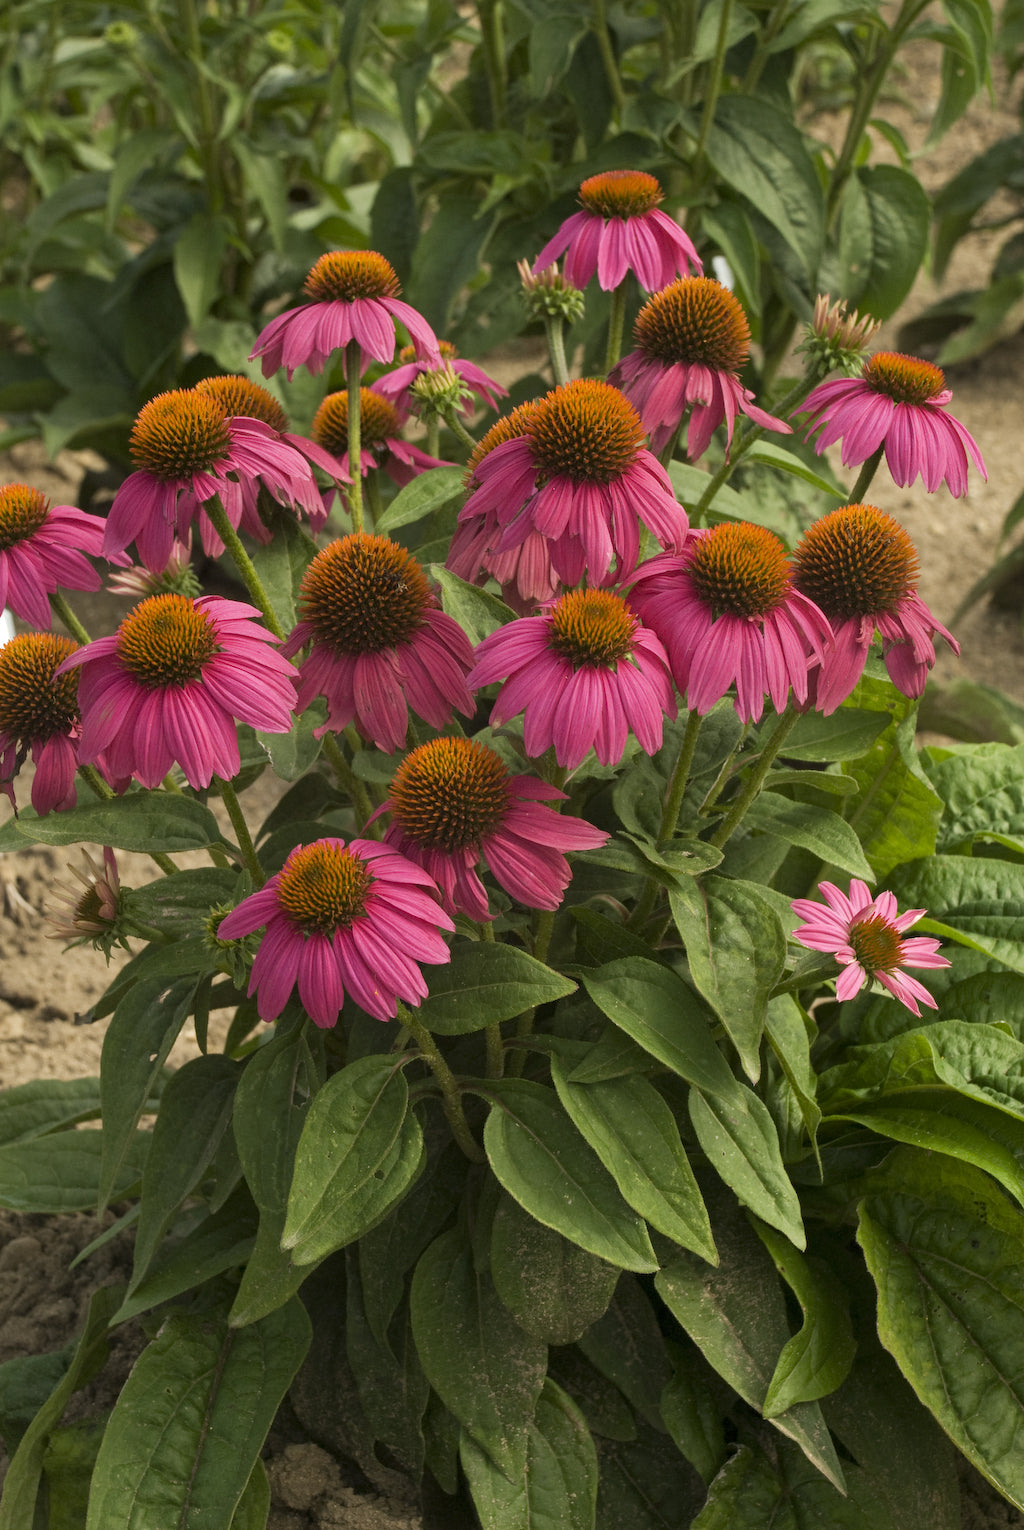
[(750, 1493), (977, 901), (770, 455), (138, 821), (983, 789), (188, 1427), (485, 983), (220, 1242), (46, 1105), (884, 221), (627, 1346), (742, 1145), (557, 1488), (281, 564), (424, 495), (359, 1152), (484, 1368), (817, 1359), (291, 754), (946, 1253), (553, 1288), (477, 612), (634, 1133), (181, 902), (393, 1391), (264, 176), (736, 950), (541, 1160), (843, 736), (449, 250), (61, 1171), (897, 814), (816, 829), (137, 151), (788, 1036), (198, 261), (691, 1414), (254, 1504)]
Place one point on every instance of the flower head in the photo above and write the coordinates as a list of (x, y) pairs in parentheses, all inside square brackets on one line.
[(355, 920), (727, 612), (241, 397), (42, 549), (899, 403), (39, 713), (90, 917), (353, 296), (186, 451), (168, 686), (620, 229), (859, 566), (380, 439), (398, 387), (380, 643), (453, 803), (584, 674), (571, 490), (867, 938), (692, 340)]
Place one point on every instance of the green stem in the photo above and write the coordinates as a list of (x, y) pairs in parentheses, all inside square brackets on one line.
[(492, 37), (188, 21), (749, 437), (754, 781), (451, 1100), (616, 324), (495, 1050), (714, 83), (61, 609), (354, 383), (599, 21), (346, 777), (670, 814), (865, 476), (251, 579), (715, 790), (554, 329), (455, 425), (374, 501), (433, 436), (765, 37), (252, 861)]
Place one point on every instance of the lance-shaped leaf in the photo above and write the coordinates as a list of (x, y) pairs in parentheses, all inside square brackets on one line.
[(61, 1171), (817, 1359), (553, 1288), (46, 1105), (557, 1488), (742, 1145), (485, 983), (138, 821)]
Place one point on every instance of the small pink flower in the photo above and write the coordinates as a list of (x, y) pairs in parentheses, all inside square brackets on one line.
[(189, 451), (380, 441), (354, 296), (621, 229), (380, 642), (692, 340), (42, 549), (727, 613), (898, 403), (453, 803), (859, 566), (39, 715), (339, 920), (570, 491), (583, 674), (867, 937), (396, 386), (168, 686)]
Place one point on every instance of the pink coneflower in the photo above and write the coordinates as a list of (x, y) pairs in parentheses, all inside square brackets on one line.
[(39, 714), (354, 296), (866, 935), (581, 479), (355, 920), (898, 403), (380, 439), (692, 340), (621, 229), (168, 686), (187, 451), (89, 917), (397, 386), (859, 566), (453, 803), (727, 612), (380, 643), (583, 674), (42, 549)]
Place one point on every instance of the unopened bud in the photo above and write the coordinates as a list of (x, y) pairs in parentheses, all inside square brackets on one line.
[(548, 295), (836, 339)]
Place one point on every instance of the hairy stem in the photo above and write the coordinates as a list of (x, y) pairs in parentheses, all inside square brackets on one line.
[(451, 1099), (754, 782)]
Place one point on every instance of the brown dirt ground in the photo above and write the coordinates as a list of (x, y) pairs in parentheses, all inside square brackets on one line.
[(42, 992)]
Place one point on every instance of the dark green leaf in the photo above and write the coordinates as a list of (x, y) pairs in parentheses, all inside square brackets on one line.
[(553, 1288), (883, 236), (198, 260), (486, 982), (425, 494), (46, 1105), (557, 1487), (139, 821), (817, 1359), (816, 829), (477, 612), (742, 1145)]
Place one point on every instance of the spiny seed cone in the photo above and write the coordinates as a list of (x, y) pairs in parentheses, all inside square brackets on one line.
[(507, 428), (346, 275), (694, 321), (36, 703), (877, 946), (22, 511), (906, 379), (323, 888), (166, 641), (855, 561), (378, 421), (363, 594), (587, 431), (239, 396), (620, 193), (180, 433), (739, 569), (450, 794), (592, 627)]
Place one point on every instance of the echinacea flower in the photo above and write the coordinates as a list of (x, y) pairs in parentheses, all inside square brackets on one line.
[(168, 686), (620, 229), (727, 612), (691, 341), (187, 451), (584, 674), (353, 296), (380, 642), (39, 715), (380, 439), (899, 403), (581, 479), (859, 566), (355, 919), (866, 936), (42, 549), (89, 917), (397, 386), (453, 803)]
